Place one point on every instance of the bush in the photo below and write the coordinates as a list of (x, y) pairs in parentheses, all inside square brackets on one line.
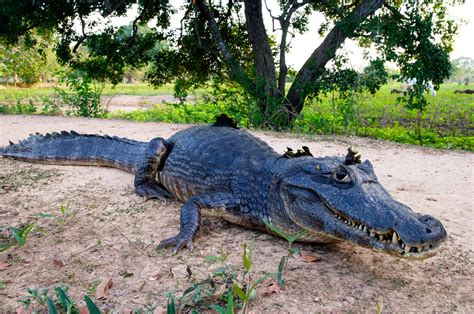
[(85, 96)]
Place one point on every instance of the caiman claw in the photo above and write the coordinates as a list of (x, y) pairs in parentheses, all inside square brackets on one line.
[(151, 190), (180, 241), (190, 222)]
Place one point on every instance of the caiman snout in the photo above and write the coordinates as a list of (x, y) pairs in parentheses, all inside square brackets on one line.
[(434, 231), (420, 234)]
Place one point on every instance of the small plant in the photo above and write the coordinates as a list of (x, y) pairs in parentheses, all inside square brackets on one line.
[(63, 217), (170, 306), (14, 236), (216, 258), (50, 106), (85, 96), (249, 293), (39, 300), (290, 238), (228, 288), (66, 214)]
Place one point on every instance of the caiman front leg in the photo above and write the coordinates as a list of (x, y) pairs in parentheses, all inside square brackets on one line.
[(145, 175), (217, 203)]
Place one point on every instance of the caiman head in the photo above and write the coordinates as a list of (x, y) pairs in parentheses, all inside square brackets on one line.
[(343, 199)]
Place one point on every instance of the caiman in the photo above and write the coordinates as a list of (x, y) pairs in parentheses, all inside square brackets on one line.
[(221, 171)]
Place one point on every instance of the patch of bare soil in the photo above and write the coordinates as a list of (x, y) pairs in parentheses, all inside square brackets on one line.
[(133, 102), (107, 231)]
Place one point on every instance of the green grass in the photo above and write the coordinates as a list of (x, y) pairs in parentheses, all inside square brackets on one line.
[(13, 94), (447, 121)]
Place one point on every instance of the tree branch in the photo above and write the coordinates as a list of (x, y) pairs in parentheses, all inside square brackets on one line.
[(285, 22), (316, 63), (84, 35), (236, 70)]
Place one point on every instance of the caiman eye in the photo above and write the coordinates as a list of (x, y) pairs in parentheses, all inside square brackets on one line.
[(341, 176)]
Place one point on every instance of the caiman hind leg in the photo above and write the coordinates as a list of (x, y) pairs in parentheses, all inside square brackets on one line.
[(216, 203), (146, 171)]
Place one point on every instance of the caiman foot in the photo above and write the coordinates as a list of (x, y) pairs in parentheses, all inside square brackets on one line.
[(190, 222), (152, 190), (179, 241)]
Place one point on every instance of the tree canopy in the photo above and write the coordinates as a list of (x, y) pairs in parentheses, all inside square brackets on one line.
[(218, 41), (29, 60)]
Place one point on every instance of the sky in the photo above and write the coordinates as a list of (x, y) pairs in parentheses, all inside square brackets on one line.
[(303, 45)]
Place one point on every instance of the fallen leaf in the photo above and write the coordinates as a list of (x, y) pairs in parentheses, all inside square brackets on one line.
[(101, 291), (58, 263), (84, 310), (4, 266), (126, 274), (220, 291), (308, 258), (26, 256), (20, 310), (156, 276), (273, 288)]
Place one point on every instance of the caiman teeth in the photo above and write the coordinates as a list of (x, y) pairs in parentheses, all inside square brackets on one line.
[(390, 238), (407, 249), (394, 238)]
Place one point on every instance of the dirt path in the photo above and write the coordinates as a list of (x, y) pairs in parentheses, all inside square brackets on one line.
[(133, 102), (109, 232)]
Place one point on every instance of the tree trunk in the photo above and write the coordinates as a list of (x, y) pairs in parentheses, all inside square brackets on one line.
[(266, 89), (315, 65)]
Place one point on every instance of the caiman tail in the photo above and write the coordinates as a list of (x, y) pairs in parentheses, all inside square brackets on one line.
[(71, 148)]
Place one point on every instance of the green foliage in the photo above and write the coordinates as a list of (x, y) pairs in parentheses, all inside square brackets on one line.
[(28, 60), (227, 288), (84, 95), (446, 121), (222, 99), (51, 307), (91, 307), (407, 38), (50, 107), (170, 306), (15, 236), (38, 301), (463, 70), (212, 44), (290, 238), (113, 52), (64, 216)]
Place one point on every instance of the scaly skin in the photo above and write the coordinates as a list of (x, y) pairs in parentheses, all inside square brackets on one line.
[(224, 172)]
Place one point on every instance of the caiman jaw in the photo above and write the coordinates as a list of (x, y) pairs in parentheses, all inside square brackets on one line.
[(389, 241)]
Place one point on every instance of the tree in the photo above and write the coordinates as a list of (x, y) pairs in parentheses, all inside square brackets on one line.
[(227, 40), (29, 60), (463, 70)]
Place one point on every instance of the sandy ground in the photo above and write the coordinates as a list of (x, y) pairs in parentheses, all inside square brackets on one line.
[(108, 232)]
